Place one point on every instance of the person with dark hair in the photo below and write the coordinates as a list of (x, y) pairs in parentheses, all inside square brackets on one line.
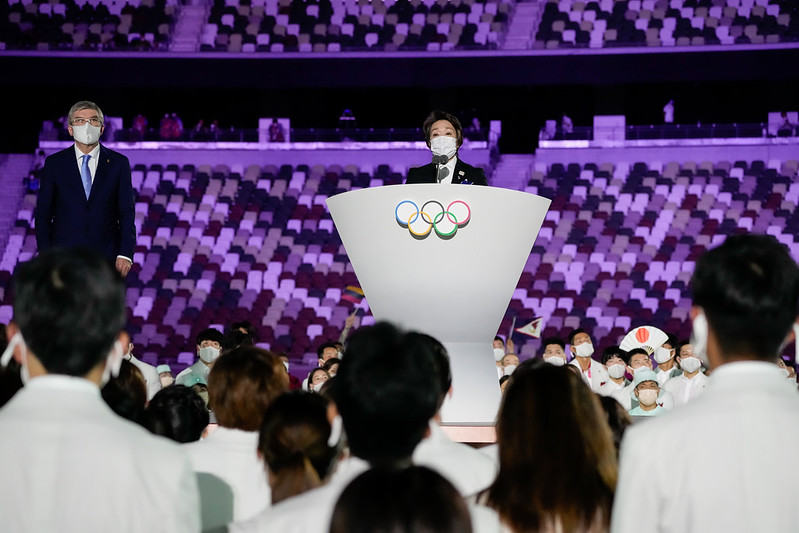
[(126, 393), (177, 413), (242, 384), (465, 467), (665, 357), (582, 348), (86, 194), (326, 351), (245, 327), (414, 499), (639, 361), (209, 346), (615, 361), (560, 479), (444, 136), (62, 448), (618, 419), (503, 383), (316, 378), (294, 444), (745, 302), (331, 366), (691, 381), (386, 392), (233, 339), (554, 351)]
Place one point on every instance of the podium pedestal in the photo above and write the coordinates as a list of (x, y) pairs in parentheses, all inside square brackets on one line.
[(443, 260)]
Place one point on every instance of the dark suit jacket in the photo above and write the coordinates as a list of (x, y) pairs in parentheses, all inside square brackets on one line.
[(104, 222), (464, 173)]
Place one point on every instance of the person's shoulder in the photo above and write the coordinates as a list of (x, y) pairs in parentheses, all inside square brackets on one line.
[(308, 512), (112, 154)]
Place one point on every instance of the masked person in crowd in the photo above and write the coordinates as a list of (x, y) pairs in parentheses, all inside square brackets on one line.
[(554, 351), (209, 345), (165, 375), (593, 372), (509, 363), (614, 360), (317, 378), (692, 381), (639, 362), (646, 390), (665, 357), (444, 135)]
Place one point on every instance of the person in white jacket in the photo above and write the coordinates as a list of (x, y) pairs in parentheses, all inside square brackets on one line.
[(745, 301)]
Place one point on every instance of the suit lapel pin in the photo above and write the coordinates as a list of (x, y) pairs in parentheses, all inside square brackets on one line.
[(460, 173)]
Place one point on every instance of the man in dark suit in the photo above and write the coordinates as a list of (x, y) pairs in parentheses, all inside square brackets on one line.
[(86, 195), (444, 135)]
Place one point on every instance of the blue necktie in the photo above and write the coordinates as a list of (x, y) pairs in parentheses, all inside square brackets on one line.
[(86, 175)]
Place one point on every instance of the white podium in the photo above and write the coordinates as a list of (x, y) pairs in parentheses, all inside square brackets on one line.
[(443, 260)]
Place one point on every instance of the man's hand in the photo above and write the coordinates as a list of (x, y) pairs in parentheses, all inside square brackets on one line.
[(123, 266)]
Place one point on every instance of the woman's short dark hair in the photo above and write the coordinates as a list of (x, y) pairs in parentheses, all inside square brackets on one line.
[(437, 115), (242, 384), (311, 375), (293, 443), (126, 394), (414, 499), (177, 412)]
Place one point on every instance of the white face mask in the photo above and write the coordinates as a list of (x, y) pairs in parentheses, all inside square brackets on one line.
[(555, 360), (86, 134), (585, 349), (209, 354), (510, 368), (24, 373), (640, 369), (699, 335), (443, 145), (690, 364), (647, 396), (318, 386), (616, 371), (336, 429), (499, 353), (662, 355), (286, 364)]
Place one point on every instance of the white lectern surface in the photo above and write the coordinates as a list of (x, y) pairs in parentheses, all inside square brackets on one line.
[(444, 260)]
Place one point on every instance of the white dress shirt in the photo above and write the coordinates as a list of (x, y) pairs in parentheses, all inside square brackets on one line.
[(595, 376), (69, 464), (450, 166), (626, 396), (232, 456), (731, 475), (468, 469), (684, 389), (611, 386)]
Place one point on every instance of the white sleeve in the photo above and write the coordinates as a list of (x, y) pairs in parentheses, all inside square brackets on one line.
[(635, 506), (187, 501)]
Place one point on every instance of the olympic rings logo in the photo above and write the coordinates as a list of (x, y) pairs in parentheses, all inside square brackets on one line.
[(433, 217)]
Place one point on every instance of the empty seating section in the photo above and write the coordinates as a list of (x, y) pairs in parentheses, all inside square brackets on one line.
[(340, 25), (87, 24), (600, 23), (617, 248)]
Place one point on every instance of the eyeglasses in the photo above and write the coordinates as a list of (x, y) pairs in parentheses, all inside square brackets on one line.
[(94, 121)]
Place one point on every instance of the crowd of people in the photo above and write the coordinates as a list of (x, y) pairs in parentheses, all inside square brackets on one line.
[(95, 439)]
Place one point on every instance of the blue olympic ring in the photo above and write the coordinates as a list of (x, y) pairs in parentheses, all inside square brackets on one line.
[(433, 216)]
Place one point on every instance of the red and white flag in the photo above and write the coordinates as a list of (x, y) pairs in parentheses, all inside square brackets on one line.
[(532, 329)]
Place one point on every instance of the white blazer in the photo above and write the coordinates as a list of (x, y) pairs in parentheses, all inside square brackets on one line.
[(69, 464)]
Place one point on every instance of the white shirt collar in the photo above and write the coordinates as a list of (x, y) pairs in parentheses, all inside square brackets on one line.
[(94, 153)]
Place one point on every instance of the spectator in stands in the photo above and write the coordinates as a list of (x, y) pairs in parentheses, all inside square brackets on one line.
[(691, 382), (665, 357), (668, 112), (786, 127), (165, 128), (383, 423), (126, 393), (209, 345), (165, 375), (581, 346), (327, 351), (62, 447), (148, 372), (177, 413), (64, 214), (276, 133), (745, 301), (571, 465), (199, 386), (294, 444), (138, 128), (554, 351), (347, 123), (316, 378), (469, 470), (566, 126), (242, 384), (614, 360), (646, 390), (444, 135), (618, 419), (412, 499)]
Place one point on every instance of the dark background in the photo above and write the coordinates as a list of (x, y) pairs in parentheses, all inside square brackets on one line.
[(520, 90)]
